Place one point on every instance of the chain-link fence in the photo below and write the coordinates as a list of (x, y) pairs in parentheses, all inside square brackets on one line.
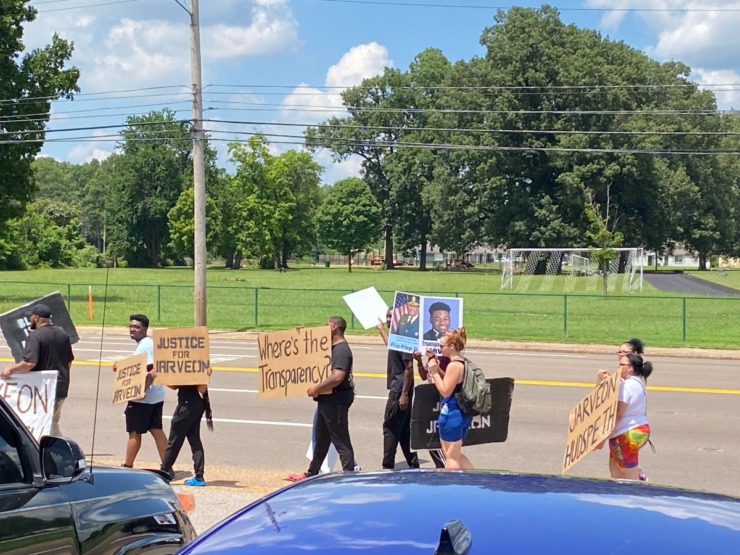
[(659, 320)]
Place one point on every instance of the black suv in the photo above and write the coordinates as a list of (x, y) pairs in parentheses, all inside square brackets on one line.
[(50, 502)]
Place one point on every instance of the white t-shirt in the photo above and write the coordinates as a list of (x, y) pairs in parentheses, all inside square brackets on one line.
[(154, 393), (632, 391)]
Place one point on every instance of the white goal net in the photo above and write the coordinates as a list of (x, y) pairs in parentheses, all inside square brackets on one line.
[(571, 269)]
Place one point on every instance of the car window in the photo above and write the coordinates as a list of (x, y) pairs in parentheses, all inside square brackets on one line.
[(11, 467)]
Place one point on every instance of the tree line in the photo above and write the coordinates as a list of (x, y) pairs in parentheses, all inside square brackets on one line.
[(552, 129)]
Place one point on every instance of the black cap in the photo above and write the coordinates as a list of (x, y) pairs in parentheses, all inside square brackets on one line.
[(413, 299), (40, 310), (439, 306)]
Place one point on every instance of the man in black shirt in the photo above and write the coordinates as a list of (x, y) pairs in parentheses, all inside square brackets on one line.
[(47, 348), (332, 423), (397, 416)]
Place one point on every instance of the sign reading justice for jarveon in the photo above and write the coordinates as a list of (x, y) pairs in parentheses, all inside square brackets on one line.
[(130, 380), (182, 356), (292, 361)]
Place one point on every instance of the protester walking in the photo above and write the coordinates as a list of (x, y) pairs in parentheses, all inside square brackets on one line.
[(192, 403), (48, 347), (453, 424), (144, 415), (632, 430), (332, 425)]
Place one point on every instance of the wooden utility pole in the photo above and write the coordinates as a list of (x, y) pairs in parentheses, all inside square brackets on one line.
[(199, 172)]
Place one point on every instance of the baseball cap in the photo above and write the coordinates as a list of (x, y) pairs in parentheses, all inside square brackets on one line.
[(40, 310)]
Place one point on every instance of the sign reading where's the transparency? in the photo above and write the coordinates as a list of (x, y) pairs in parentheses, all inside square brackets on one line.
[(130, 380), (292, 361), (592, 420), (16, 326), (31, 395), (182, 356)]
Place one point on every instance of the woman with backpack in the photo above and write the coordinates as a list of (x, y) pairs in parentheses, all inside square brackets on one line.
[(453, 424)]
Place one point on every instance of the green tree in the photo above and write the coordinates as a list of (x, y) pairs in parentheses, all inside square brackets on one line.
[(602, 235), (149, 174), (29, 81), (182, 225), (295, 176), (349, 218)]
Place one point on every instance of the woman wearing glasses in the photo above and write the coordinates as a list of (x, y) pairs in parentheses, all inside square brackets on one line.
[(453, 424), (632, 430)]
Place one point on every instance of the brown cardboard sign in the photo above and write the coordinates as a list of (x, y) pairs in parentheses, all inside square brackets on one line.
[(592, 420), (130, 380), (182, 356), (292, 361)]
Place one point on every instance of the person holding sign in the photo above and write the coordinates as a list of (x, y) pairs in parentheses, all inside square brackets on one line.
[(453, 424), (48, 347), (397, 416), (144, 415), (632, 430), (332, 424)]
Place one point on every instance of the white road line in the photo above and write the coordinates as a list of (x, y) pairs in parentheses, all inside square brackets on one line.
[(259, 422), (227, 390)]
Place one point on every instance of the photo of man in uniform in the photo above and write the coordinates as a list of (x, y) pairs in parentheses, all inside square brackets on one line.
[(408, 324)]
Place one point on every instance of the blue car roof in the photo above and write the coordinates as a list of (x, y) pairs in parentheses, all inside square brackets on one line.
[(404, 512)]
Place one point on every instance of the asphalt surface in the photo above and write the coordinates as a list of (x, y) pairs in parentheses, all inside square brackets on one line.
[(693, 411), (685, 283)]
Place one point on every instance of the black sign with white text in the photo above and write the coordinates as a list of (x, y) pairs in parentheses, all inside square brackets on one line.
[(15, 325), (490, 427)]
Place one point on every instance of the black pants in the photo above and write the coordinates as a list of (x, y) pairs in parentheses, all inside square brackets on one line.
[(397, 430), (332, 427), (186, 425)]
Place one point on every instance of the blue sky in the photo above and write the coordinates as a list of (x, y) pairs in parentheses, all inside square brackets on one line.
[(285, 61)]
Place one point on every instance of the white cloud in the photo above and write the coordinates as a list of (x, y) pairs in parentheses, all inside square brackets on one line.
[(273, 30), (724, 83), (360, 62), (701, 38), (84, 152)]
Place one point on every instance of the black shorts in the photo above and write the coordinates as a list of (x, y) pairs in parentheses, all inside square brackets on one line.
[(142, 417)]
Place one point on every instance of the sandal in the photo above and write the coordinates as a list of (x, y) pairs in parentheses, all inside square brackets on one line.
[(297, 477)]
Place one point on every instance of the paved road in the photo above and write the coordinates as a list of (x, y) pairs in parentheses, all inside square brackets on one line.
[(693, 412), (685, 283)]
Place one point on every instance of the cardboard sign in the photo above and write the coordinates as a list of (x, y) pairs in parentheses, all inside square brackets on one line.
[(490, 427), (291, 361), (591, 421), (130, 381), (31, 395), (16, 327), (182, 356)]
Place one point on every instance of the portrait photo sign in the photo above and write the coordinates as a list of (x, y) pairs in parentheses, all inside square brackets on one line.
[(289, 362), (182, 356), (489, 427), (130, 381), (591, 421)]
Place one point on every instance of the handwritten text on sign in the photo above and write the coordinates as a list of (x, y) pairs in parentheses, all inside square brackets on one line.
[(130, 381), (182, 356), (591, 421), (292, 361), (31, 395)]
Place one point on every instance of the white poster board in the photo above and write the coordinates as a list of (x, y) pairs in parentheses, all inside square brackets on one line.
[(368, 307), (31, 395)]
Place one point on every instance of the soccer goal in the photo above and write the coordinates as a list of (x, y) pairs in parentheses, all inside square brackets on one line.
[(571, 269)]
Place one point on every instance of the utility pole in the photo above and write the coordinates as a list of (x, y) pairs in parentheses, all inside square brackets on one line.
[(199, 171)]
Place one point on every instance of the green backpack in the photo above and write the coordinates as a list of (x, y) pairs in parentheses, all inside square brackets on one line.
[(474, 396)]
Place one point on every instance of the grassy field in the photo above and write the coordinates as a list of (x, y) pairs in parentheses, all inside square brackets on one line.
[(544, 308)]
